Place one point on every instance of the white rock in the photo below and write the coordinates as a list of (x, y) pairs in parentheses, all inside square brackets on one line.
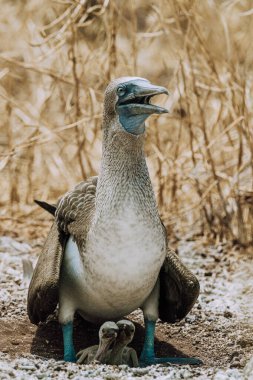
[(248, 370)]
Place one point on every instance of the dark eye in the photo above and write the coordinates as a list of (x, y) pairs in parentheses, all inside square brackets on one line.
[(121, 91)]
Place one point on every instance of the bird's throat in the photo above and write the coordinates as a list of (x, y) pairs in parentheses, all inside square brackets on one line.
[(133, 124), (124, 175)]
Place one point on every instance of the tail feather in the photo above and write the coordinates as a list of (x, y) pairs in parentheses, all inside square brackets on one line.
[(46, 206)]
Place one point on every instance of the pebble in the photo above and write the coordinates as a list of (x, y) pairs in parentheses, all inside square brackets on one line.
[(227, 314), (140, 371), (248, 370), (237, 362), (219, 249), (15, 342), (41, 375), (124, 367), (190, 319), (244, 342), (27, 367)]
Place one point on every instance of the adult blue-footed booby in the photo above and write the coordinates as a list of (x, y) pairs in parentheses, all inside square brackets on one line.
[(107, 252)]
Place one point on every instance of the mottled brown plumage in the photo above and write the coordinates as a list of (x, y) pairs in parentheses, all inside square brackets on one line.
[(179, 289), (76, 208), (43, 294), (73, 213)]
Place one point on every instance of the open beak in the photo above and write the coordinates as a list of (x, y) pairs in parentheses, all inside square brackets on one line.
[(138, 101)]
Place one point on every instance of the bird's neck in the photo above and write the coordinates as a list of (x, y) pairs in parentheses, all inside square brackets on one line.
[(103, 348), (117, 352), (123, 154), (124, 174)]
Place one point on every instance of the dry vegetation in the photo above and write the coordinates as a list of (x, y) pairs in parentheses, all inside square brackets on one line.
[(56, 59)]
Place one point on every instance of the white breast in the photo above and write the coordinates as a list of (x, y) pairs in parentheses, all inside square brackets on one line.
[(119, 269)]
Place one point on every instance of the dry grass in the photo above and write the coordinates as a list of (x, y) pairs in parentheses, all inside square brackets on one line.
[(56, 59)]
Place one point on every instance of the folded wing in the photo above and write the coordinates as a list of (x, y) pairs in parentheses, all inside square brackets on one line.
[(73, 215), (179, 289)]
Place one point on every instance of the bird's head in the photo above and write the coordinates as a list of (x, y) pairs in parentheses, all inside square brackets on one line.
[(108, 331), (126, 331), (127, 100), (107, 335)]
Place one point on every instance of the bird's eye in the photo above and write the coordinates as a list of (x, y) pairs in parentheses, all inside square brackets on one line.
[(121, 91)]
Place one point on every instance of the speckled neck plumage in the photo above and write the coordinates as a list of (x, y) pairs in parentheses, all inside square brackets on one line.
[(124, 175)]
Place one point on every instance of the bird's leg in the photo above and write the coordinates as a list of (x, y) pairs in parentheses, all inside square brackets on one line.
[(69, 351), (66, 312), (148, 353), (150, 311)]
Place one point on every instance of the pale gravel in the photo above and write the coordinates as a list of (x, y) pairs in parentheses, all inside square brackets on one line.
[(32, 367)]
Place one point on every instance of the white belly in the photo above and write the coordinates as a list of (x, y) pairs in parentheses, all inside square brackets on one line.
[(111, 281)]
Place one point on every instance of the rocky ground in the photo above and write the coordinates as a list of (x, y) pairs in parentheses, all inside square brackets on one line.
[(219, 329)]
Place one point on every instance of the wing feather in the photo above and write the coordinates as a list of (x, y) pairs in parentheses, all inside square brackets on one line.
[(44, 286), (73, 215), (179, 289), (76, 209)]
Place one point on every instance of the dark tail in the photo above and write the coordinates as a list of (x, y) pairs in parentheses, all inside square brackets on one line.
[(50, 208)]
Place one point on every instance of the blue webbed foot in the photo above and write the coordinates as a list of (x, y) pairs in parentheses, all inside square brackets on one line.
[(69, 351), (151, 360), (148, 354)]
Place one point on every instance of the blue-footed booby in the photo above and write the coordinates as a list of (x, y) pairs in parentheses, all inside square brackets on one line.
[(107, 251), (120, 353), (108, 333), (118, 336)]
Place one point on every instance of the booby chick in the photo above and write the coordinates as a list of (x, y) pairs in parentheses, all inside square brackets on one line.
[(99, 353), (107, 252), (120, 353)]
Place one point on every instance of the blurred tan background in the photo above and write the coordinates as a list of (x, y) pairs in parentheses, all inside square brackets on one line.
[(58, 56)]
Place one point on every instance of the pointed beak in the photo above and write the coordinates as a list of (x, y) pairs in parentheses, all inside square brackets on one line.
[(138, 100), (150, 90), (146, 92)]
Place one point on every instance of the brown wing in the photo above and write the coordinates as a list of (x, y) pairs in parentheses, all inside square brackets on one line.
[(43, 288), (179, 289), (73, 215), (76, 208)]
